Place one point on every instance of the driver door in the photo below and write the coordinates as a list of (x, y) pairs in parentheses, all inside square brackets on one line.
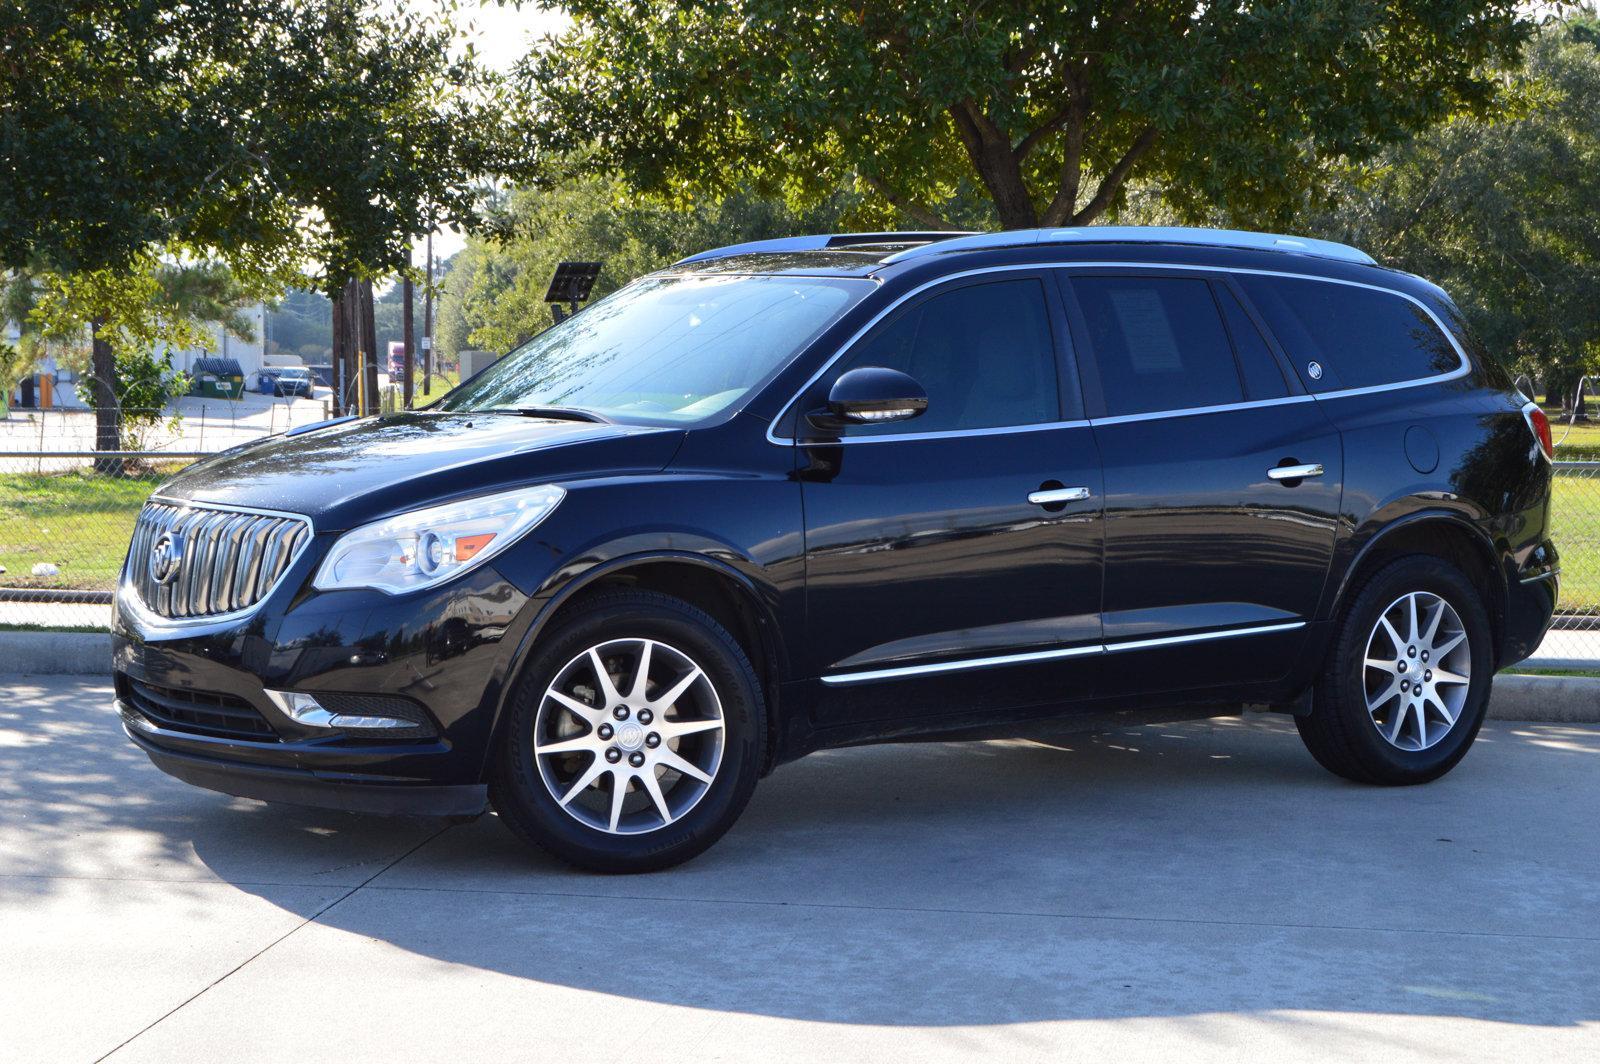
[(953, 560)]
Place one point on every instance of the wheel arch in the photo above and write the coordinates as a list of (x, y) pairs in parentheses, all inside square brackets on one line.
[(1439, 533), (733, 598)]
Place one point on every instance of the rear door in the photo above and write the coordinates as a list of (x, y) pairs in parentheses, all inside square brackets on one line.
[(1222, 481), (939, 580)]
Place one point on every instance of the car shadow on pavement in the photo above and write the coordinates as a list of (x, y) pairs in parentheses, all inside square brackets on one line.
[(1178, 870)]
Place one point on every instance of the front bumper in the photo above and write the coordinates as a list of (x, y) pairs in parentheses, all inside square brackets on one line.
[(327, 790), (194, 698)]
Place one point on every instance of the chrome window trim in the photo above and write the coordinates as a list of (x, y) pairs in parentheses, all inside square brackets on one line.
[(966, 664), (128, 596), (786, 441)]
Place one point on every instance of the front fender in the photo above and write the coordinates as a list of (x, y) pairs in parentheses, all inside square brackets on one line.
[(756, 550)]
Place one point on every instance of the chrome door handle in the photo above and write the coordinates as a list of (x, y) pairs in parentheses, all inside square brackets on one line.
[(1295, 472), (1055, 495)]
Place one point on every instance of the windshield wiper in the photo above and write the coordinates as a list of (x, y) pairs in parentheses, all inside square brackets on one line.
[(560, 413)]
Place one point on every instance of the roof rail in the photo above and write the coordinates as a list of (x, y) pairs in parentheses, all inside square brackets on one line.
[(1143, 234), (822, 241)]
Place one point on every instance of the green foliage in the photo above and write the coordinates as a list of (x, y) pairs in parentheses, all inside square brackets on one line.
[(1049, 110), (272, 134), (1502, 211), (150, 304), (15, 364), (145, 385), (493, 295)]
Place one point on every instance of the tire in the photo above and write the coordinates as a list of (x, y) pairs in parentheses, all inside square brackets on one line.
[(537, 792), (1391, 742)]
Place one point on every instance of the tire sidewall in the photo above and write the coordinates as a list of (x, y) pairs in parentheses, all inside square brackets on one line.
[(1390, 584), (640, 616)]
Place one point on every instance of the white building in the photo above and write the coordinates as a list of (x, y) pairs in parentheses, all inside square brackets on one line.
[(250, 354)]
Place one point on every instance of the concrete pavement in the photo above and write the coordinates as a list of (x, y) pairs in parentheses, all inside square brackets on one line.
[(1196, 892)]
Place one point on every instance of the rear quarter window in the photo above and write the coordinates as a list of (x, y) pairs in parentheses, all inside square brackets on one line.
[(1357, 337)]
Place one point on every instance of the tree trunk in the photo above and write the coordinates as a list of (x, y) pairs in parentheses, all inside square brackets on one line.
[(999, 166), (409, 338), (107, 414)]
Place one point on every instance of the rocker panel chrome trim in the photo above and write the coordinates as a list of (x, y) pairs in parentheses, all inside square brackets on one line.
[(965, 664)]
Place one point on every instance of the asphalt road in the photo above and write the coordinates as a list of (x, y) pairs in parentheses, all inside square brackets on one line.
[(1193, 892)]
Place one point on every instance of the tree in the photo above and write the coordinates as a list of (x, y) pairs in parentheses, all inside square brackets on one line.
[(125, 315), (270, 134), (278, 137), (1502, 211), (493, 294), (1050, 109)]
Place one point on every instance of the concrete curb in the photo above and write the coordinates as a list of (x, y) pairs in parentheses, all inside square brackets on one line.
[(1554, 699), (1549, 699), (56, 653)]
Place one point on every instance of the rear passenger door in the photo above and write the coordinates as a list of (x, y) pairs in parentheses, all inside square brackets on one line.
[(1222, 481)]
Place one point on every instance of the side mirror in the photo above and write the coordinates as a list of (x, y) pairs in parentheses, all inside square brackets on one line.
[(870, 395)]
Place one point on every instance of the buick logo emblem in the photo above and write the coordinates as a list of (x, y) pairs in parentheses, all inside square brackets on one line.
[(165, 557)]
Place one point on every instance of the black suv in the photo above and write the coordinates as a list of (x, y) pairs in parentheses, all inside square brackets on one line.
[(858, 488)]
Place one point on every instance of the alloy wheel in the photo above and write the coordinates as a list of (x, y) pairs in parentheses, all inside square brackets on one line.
[(1417, 672), (629, 736)]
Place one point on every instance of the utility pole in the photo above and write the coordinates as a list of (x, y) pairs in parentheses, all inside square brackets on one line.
[(427, 325), (368, 352), (408, 338), (336, 359)]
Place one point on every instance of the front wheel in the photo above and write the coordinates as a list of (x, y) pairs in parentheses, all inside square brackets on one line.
[(633, 740), (1406, 684)]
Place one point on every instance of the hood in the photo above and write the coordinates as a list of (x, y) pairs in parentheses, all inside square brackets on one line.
[(359, 471)]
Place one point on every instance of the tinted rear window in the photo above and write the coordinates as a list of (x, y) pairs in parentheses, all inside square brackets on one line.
[(1359, 337), (1158, 342)]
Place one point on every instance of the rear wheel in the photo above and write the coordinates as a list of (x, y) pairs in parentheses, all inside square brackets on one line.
[(1406, 684), (633, 741)]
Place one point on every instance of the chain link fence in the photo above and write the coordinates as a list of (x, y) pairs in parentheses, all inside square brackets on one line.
[(66, 517), (1575, 527)]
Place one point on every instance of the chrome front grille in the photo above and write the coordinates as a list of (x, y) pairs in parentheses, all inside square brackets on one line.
[(227, 560)]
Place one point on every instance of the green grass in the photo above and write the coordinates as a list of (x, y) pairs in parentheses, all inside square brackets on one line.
[(1577, 443), (443, 381), (78, 521), (1576, 531)]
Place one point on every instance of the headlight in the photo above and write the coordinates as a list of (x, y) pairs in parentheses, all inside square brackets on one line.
[(427, 547)]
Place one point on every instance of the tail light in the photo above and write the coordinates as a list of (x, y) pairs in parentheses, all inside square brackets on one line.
[(1539, 423)]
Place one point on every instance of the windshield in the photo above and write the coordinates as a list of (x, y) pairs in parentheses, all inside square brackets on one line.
[(664, 350)]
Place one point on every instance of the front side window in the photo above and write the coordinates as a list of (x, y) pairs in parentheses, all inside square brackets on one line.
[(983, 352), (1158, 344), (1358, 337), (664, 350)]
